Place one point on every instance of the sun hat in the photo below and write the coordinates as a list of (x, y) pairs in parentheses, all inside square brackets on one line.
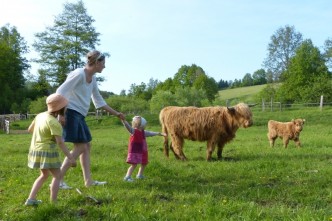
[(56, 102), (143, 121)]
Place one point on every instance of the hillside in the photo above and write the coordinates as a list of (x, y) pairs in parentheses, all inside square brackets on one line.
[(241, 94)]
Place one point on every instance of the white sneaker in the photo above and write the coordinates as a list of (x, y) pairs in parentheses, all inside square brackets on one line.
[(98, 183), (64, 186), (31, 202), (128, 179)]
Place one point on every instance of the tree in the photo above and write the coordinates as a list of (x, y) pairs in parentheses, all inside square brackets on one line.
[(259, 77), (183, 96), (152, 84), (194, 76), (106, 94), (162, 99), (38, 105), (191, 97), (281, 49), (62, 46), (140, 91), (307, 77), (208, 85), (42, 85), (222, 84), (268, 93), (328, 52), (236, 83), (167, 85), (123, 92), (247, 80), (127, 104), (187, 75), (13, 64), (143, 91)]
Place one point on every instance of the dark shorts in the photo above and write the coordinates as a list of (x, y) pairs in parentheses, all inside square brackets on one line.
[(76, 130)]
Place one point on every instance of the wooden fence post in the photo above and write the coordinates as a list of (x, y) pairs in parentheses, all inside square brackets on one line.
[(7, 126), (321, 102)]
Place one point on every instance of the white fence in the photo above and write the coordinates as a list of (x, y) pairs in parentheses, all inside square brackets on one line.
[(5, 120)]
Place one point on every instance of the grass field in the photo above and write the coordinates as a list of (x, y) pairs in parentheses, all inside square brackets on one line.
[(252, 182), (241, 91), (241, 94)]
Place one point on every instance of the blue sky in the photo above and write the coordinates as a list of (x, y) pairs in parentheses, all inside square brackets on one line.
[(154, 38)]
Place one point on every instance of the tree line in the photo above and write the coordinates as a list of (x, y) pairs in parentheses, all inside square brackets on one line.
[(294, 70)]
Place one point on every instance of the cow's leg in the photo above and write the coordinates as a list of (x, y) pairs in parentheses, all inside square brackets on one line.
[(177, 145), (183, 157), (286, 141), (209, 150), (166, 149), (272, 140), (176, 156), (210, 146), (219, 152), (297, 142), (220, 149)]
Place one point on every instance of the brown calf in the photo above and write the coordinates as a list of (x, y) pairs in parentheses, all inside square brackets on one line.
[(285, 130)]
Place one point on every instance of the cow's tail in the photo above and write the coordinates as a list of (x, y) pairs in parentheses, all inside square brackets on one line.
[(164, 130)]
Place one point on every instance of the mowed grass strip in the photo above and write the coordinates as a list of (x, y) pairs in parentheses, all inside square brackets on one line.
[(252, 182)]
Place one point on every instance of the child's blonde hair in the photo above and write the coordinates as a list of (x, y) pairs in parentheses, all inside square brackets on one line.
[(138, 122)]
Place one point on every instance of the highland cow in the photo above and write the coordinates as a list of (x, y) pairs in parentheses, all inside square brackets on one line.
[(216, 125), (286, 131)]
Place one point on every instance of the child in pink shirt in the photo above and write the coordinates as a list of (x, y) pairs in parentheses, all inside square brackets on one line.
[(137, 146)]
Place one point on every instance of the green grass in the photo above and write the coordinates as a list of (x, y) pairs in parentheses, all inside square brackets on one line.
[(241, 91), (236, 95), (253, 182)]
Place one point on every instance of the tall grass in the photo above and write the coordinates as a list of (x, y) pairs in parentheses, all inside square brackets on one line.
[(252, 182)]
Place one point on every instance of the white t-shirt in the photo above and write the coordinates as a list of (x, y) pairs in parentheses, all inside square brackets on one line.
[(79, 92)]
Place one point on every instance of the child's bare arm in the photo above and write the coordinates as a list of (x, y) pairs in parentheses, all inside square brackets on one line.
[(31, 127), (65, 150)]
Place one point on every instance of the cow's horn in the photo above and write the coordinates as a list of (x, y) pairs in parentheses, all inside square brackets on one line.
[(231, 108), (252, 105)]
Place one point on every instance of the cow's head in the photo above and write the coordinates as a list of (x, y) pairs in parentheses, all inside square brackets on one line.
[(298, 124), (242, 113)]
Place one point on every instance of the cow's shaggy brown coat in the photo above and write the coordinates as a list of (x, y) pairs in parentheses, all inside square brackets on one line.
[(216, 125), (286, 131)]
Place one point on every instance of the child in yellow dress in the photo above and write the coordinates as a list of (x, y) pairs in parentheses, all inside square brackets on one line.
[(43, 153)]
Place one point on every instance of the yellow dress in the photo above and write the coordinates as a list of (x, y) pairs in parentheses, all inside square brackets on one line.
[(43, 153)]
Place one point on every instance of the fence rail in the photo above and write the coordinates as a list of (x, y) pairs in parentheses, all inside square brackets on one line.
[(278, 106)]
